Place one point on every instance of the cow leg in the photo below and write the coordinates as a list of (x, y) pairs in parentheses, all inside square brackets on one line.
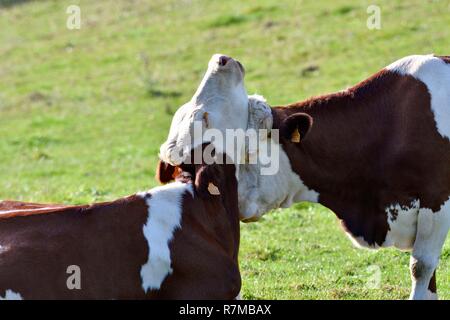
[(432, 229)]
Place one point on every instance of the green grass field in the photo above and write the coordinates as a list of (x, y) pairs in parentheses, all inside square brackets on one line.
[(83, 112)]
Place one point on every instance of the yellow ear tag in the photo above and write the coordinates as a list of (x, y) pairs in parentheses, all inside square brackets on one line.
[(295, 137), (213, 189)]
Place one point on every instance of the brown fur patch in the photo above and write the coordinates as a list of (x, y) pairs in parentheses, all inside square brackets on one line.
[(164, 172)]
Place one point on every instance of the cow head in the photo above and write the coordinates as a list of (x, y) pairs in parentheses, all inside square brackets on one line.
[(219, 103), (259, 117), (210, 179)]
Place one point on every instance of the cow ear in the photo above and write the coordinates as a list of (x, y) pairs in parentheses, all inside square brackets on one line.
[(164, 172), (207, 180), (295, 127)]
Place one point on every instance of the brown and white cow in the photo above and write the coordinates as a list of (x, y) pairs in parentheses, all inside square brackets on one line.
[(177, 241), (378, 155)]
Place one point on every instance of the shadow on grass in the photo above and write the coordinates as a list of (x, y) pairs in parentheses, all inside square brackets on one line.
[(11, 3), (163, 94)]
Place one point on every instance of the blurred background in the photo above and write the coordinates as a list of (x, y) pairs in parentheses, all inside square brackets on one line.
[(84, 109)]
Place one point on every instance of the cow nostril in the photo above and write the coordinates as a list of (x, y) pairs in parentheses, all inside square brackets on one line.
[(223, 60)]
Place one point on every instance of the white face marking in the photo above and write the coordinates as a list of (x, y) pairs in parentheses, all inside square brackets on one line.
[(435, 74), (11, 295), (259, 193), (164, 217), (222, 96)]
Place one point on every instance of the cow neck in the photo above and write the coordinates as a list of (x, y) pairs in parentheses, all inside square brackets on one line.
[(230, 202), (340, 156), (220, 224), (228, 198)]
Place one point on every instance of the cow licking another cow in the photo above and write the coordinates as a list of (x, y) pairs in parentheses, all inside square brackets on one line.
[(376, 154)]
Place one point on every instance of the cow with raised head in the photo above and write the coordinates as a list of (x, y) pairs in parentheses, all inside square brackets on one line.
[(378, 155), (220, 100)]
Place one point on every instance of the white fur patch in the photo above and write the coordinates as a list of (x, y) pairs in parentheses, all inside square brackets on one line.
[(11, 295), (260, 193), (432, 230), (164, 217), (402, 226), (435, 74)]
